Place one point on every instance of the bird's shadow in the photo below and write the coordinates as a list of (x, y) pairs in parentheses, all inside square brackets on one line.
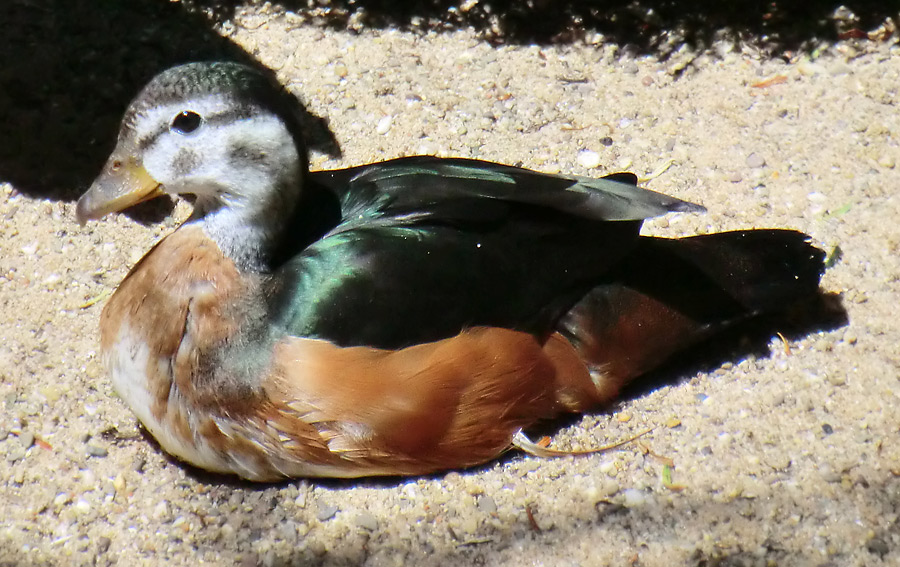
[(753, 338)]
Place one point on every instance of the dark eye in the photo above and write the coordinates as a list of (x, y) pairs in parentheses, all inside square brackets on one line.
[(186, 122)]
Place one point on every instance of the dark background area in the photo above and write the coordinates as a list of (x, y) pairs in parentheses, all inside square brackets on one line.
[(785, 24), (68, 68)]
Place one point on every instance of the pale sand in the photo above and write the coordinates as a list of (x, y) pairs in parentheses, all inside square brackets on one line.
[(790, 457)]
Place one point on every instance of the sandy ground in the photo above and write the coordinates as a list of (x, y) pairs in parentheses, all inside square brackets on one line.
[(789, 456)]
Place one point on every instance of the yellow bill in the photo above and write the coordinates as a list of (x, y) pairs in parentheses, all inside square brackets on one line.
[(122, 183)]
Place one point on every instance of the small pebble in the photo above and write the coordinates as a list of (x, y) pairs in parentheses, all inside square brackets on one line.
[(828, 474), (287, 532), (326, 512), (51, 393), (827, 429), (837, 379), (610, 488), (588, 159), (82, 507), (27, 439), (160, 510), (367, 521), (634, 497), (14, 454), (103, 544), (428, 148), (61, 500), (839, 68), (607, 467), (119, 484), (607, 141), (96, 451), (755, 161), (631, 68), (487, 505), (384, 125)]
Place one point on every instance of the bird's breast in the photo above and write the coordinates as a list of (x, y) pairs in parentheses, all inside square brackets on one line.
[(169, 319)]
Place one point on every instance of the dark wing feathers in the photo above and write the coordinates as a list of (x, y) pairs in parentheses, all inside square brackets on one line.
[(420, 188), (438, 245)]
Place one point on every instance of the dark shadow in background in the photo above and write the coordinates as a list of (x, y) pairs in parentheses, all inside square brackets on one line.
[(68, 69), (779, 24)]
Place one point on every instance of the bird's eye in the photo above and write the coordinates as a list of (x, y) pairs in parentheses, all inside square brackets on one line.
[(186, 122)]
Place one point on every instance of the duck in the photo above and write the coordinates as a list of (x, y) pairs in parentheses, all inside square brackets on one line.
[(399, 318)]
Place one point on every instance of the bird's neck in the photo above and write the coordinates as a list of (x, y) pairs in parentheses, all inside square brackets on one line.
[(249, 232)]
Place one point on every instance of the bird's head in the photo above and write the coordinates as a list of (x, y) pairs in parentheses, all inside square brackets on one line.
[(221, 131)]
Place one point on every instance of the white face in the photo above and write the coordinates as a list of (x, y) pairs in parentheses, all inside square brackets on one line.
[(218, 149)]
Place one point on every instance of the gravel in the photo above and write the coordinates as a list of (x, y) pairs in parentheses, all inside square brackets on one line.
[(761, 480)]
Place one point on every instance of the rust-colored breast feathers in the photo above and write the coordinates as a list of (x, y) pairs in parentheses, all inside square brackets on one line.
[(174, 301)]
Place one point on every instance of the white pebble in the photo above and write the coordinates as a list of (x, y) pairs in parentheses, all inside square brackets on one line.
[(82, 506), (51, 279), (384, 125), (61, 499), (817, 197), (427, 149), (588, 159), (634, 497), (755, 160), (161, 510)]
